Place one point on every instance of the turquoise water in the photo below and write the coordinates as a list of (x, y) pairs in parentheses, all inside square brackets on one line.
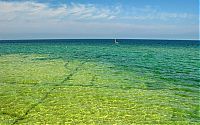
[(137, 81)]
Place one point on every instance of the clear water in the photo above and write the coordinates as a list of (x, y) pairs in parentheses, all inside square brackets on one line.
[(99, 82)]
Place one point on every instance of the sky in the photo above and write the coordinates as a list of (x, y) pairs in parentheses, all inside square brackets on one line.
[(66, 19)]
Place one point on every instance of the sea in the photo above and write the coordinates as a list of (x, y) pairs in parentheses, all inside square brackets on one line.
[(98, 81)]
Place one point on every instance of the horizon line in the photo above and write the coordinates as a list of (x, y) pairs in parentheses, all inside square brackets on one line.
[(99, 38)]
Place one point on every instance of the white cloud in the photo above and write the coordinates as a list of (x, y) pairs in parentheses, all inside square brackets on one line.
[(152, 13), (34, 11)]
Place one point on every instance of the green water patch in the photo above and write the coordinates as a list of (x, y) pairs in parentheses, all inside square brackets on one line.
[(102, 75), (19, 68), (22, 69), (16, 99), (6, 119), (39, 89), (84, 105)]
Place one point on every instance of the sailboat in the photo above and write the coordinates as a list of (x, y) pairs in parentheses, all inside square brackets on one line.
[(116, 41)]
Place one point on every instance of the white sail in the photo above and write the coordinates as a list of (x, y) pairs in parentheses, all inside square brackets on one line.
[(116, 41)]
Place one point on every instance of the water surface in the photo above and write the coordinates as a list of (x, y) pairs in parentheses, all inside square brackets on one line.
[(98, 82)]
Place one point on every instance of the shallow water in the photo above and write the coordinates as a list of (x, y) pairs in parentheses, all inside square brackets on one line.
[(98, 82)]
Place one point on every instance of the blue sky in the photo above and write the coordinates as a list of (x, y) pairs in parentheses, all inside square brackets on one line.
[(155, 19)]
